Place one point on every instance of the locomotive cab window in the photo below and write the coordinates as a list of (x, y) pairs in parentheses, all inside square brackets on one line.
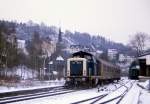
[(76, 68)]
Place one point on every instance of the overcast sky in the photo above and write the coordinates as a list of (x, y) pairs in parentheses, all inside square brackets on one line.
[(113, 19)]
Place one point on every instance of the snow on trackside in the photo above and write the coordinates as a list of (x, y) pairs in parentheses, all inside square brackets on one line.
[(144, 97), (132, 96), (136, 95), (65, 98), (114, 94), (35, 85), (144, 84), (73, 97)]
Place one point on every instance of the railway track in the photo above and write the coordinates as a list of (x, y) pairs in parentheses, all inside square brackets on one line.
[(28, 91), (93, 98), (98, 99), (53, 92), (119, 97)]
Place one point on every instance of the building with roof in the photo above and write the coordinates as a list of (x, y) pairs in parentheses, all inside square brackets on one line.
[(112, 54), (144, 62)]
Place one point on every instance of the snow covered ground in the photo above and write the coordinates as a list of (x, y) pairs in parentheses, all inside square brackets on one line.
[(74, 96), (132, 96), (66, 98), (136, 95), (144, 97), (34, 85)]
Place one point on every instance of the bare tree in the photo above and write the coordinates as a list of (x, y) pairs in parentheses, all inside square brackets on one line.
[(35, 52), (139, 42)]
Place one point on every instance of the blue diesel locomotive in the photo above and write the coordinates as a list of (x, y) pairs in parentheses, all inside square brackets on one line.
[(83, 68)]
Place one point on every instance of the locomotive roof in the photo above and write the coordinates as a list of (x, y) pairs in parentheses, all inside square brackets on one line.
[(81, 53)]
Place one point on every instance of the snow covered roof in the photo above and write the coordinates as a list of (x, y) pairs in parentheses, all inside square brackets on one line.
[(51, 62), (59, 58), (147, 57), (55, 72), (98, 51), (21, 41)]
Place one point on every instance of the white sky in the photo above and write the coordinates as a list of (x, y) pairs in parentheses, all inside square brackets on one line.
[(113, 19)]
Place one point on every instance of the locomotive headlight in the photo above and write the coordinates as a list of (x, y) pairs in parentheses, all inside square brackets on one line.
[(84, 73), (68, 73), (83, 79), (68, 79)]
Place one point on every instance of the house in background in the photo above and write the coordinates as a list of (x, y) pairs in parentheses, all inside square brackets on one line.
[(144, 62)]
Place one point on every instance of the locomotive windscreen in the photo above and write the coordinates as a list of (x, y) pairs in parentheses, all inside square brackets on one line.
[(76, 68)]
